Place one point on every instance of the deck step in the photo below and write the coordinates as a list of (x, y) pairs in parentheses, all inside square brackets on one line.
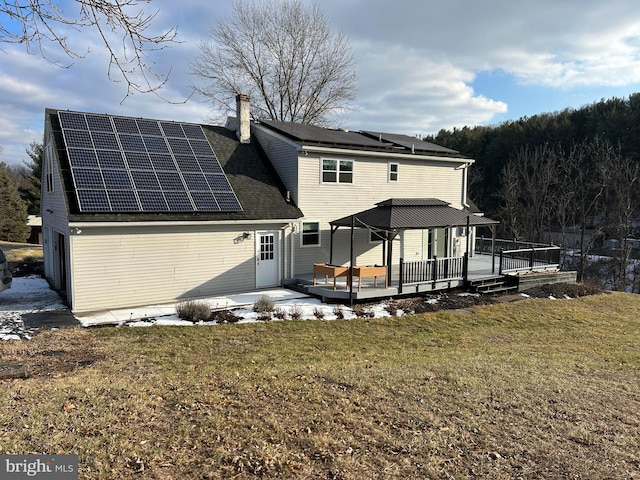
[(496, 284)]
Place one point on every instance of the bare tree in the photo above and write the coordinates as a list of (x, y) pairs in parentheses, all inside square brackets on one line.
[(588, 168), (39, 23), (284, 55), (621, 200), (511, 211)]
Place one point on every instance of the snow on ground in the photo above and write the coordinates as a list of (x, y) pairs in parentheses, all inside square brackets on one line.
[(33, 295), (26, 295)]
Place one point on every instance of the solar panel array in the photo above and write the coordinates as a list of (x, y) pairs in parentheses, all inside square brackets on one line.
[(122, 164)]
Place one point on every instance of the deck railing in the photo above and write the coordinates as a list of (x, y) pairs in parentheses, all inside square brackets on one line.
[(432, 270), (529, 259)]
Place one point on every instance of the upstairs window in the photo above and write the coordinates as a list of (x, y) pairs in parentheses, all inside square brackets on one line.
[(393, 172), (337, 171)]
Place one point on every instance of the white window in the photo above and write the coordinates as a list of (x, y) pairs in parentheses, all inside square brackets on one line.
[(310, 236), (393, 172), (337, 171), (48, 167)]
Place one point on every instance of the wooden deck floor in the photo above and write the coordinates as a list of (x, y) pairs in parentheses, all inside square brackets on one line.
[(479, 267)]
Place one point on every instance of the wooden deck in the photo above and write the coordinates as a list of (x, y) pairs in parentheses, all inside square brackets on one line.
[(371, 288)]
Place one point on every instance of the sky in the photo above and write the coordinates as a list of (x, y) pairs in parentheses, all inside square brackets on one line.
[(421, 66)]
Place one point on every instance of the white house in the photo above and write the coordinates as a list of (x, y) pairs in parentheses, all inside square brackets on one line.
[(138, 211)]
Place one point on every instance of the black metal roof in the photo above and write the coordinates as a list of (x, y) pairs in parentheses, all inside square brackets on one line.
[(253, 178), (412, 213), (363, 140)]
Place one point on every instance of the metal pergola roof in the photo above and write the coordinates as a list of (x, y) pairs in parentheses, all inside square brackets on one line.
[(409, 214)]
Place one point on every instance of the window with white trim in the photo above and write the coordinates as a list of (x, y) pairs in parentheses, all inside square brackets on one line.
[(48, 167), (394, 169), (337, 171), (310, 234)]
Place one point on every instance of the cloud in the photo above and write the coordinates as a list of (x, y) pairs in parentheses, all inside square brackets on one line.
[(421, 96)]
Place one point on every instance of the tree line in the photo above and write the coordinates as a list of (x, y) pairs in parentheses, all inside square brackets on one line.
[(571, 170)]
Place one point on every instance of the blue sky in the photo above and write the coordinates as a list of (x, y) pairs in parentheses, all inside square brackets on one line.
[(421, 65)]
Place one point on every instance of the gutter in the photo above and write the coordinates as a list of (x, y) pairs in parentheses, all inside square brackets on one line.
[(181, 223), (365, 153)]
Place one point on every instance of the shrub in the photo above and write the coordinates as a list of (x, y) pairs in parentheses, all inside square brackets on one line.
[(392, 308), (362, 311), (295, 313), (318, 313), (264, 304), (280, 313), (193, 311), (338, 312), (225, 316)]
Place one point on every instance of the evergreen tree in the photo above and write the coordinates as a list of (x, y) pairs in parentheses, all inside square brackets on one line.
[(13, 210), (31, 193)]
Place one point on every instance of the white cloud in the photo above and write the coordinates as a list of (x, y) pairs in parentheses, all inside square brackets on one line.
[(422, 96), (416, 62)]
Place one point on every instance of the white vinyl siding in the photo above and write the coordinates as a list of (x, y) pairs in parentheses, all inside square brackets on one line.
[(283, 157), (325, 202), (147, 265)]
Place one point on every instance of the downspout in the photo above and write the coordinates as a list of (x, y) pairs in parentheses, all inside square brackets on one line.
[(351, 262), (292, 249)]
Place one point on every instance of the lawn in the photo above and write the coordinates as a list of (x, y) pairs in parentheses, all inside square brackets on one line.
[(530, 389)]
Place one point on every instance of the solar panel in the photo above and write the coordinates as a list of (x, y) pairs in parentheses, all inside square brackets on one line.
[(180, 146), (94, 200), (193, 131), (196, 182), (76, 121), (171, 129), (78, 138), (125, 125), (152, 201), (155, 144), (123, 201), (149, 127), (210, 165), (145, 180), (80, 157), (88, 178), (105, 141), (132, 143), (178, 201), (110, 159), (99, 123), (205, 202), (122, 164), (117, 179), (170, 181), (163, 162)]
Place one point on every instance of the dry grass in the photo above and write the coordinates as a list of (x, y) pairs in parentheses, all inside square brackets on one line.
[(21, 252), (533, 389)]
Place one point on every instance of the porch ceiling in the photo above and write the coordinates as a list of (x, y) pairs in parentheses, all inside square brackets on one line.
[(410, 213)]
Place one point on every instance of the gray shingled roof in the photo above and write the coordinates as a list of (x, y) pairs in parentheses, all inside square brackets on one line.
[(363, 140), (412, 213), (253, 178)]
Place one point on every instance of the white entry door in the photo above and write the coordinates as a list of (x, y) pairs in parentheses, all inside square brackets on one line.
[(267, 259)]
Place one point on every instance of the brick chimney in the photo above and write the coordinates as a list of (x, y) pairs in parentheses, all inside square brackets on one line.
[(243, 126)]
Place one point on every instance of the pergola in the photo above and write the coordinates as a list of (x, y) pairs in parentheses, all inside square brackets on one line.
[(390, 217)]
